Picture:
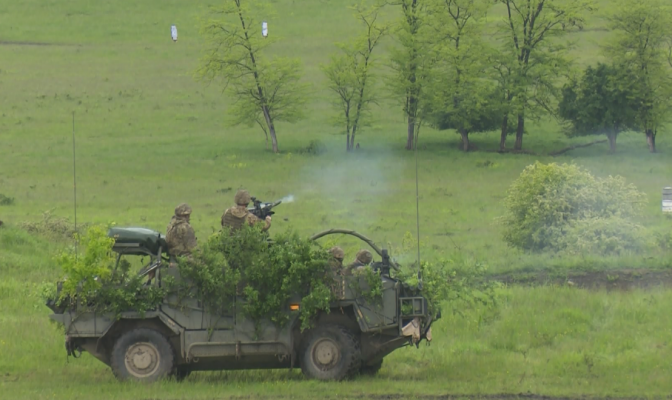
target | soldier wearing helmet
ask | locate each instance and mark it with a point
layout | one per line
(180, 236)
(362, 259)
(235, 217)
(336, 262)
(337, 271)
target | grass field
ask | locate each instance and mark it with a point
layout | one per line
(148, 136)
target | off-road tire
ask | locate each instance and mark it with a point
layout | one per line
(330, 352)
(142, 355)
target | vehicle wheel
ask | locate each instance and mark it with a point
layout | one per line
(330, 352)
(142, 355)
(371, 369)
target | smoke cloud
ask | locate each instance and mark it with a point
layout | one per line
(355, 190)
(288, 199)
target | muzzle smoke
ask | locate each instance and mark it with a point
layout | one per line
(288, 199)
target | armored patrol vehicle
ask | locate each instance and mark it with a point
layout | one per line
(178, 337)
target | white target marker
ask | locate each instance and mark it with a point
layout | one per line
(264, 29)
(173, 32)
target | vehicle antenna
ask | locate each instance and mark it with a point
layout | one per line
(74, 178)
(417, 204)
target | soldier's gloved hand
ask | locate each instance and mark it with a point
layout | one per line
(268, 219)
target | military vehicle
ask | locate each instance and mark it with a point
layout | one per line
(179, 337)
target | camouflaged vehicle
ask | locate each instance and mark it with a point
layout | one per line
(174, 340)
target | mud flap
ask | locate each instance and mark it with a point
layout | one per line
(412, 329)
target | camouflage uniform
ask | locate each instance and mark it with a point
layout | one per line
(235, 217)
(363, 258)
(337, 271)
(336, 262)
(180, 236)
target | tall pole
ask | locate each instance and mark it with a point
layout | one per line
(74, 178)
(417, 197)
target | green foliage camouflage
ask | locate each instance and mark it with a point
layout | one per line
(454, 281)
(94, 282)
(553, 207)
(267, 274)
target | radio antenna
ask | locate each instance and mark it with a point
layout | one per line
(417, 202)
(74, 179)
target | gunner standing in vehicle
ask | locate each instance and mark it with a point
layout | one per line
(363, 258)
(180, 236)
(235, 217)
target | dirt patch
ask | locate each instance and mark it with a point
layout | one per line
(625, 279)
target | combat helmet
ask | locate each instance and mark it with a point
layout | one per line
(337, 252)
(364, 256)
(182, 209)
(242, 197)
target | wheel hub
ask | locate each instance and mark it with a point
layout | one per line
(326, 353)
(142, 359)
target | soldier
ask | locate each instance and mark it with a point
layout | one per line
(180, 236)
(337, 271)
(235, 217)
(363, 258)
(336, 263)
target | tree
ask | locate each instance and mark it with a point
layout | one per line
(603, 102)
(463, 99)
(533, 56)
(642, 35)
(411, 64)
(265, 91)
(349, 73)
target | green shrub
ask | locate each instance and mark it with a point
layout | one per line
(315, 147)
(563, 207)
(53, 227)
(614, 235)
(6, 200)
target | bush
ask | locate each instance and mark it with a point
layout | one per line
(53, 227)
(315, 147)
(5, 200)
(564, 208)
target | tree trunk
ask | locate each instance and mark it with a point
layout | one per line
(352, 138)
(505, 128)
(612, 142)
(519, 132)
(465, 140)
(274, 139)
(651, 140)
(411, 134)
(347, 142)
(271, 129)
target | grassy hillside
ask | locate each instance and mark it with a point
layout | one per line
(149, 137)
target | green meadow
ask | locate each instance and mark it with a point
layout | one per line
(149, 136)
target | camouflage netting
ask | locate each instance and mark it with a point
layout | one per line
(267, 275)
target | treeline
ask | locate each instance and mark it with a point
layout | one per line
(463, 65)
